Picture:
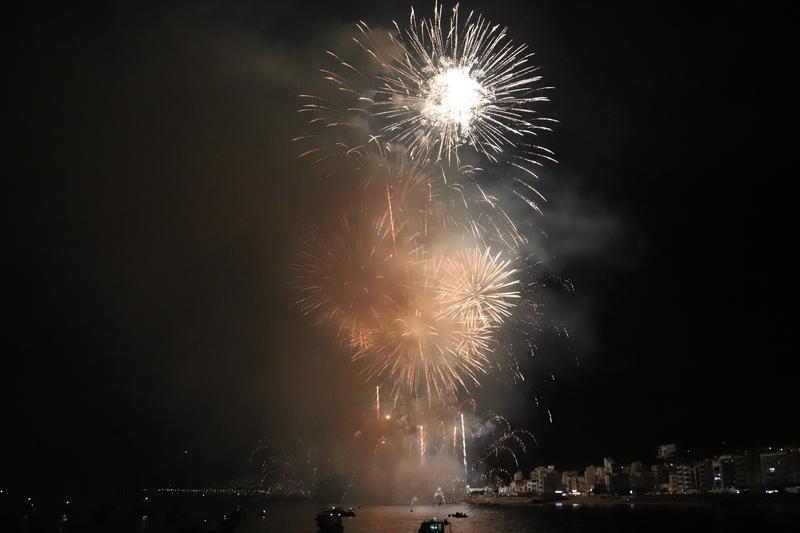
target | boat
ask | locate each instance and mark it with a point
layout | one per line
(329, 521)
(349, 512)
(434, 526)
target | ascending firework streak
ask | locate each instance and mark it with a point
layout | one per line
(464, 448)
(378, 401)
(421, 446)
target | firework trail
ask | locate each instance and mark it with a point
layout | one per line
(421, 446)
(509, 442)
(464, 447)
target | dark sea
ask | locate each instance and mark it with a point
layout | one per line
(216, 513)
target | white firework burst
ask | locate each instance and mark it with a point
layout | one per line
(448, 86)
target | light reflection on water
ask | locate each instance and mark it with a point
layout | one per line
(171, 514)
(299, 518)
(398, 518)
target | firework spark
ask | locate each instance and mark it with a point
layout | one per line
(508, 443)
(477, 286)
(448, 85)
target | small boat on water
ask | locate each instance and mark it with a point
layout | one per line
(434, 526)
(329, 521)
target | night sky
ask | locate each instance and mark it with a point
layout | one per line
(155, 201)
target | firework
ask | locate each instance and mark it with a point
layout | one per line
(503, 439)
(422, 350)
(435, 89)
(423, 324)
(393, 315)
(477, 286)
(447, 86)
(351, 273)
(378, 401)
(406, 278)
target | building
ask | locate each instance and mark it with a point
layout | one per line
(546, 480)
(571, 481)
(594, 475)
(519, 486)
(704, 475)
(522, 487)
(780, 468)
(681, 479)
(593, 479)
(772, 469)
(730, 472)
(641, 479)
(667, 452)
(660, 476)
(615, 477)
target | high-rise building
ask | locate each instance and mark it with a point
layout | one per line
(660, 475)
(704, 475)
(731, 472)
(681, 479)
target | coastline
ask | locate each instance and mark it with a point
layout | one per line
(648, 500)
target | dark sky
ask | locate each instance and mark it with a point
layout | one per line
(155, 201)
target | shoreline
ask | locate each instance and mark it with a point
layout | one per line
(648, 500)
